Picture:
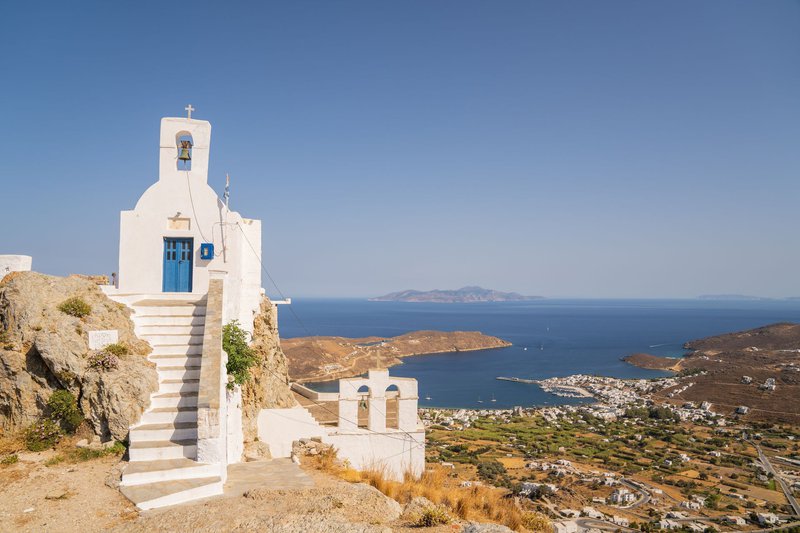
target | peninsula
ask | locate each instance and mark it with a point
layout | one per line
(327, 358)
(462, 295)
(753, 372)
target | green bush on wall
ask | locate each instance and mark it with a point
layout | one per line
(64, 410)
(240, 356)
(42, 435)
(75, 306)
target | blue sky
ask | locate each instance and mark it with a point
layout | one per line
(590, 149)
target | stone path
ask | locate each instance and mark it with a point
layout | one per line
(273, 474)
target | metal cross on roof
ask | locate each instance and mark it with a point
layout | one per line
(189, 110)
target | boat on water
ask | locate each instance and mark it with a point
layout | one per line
(479, 400)
(427, 397)
(493, 398)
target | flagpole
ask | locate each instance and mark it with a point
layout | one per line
(227, 191)
(227, 196)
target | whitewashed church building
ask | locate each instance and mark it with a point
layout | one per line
(187, 266)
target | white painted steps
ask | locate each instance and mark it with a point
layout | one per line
(180, 385)
(166, 415)
(159, 450)
(167, 469)
(163, 445)
(172, 492)
(174, 399)
(164, 431)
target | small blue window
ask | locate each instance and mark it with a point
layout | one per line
(207, 251)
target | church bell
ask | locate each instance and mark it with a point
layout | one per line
(184, 154)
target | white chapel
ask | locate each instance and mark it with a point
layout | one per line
(180, 230)
(187, 266)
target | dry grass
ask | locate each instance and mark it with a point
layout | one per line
(11, 442)
(477, 503)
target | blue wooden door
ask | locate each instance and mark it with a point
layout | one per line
(177, 265)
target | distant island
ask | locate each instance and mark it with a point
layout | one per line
(327, 358)
(731, 297)
(462, 295)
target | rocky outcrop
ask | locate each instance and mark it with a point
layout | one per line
(269, 386)
(44, 349)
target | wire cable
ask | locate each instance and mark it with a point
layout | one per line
(194, 212)
(264, 268)
(280, 293)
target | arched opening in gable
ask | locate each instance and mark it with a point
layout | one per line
(363, 406)
(184, 143)
(392, 407)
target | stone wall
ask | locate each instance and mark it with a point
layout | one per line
(43, 349)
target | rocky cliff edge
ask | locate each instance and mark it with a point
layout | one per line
(269, 386)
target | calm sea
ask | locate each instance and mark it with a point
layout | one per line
(550, 337)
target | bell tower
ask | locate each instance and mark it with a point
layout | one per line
(174, 133)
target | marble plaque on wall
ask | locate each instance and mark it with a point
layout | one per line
(101, 338)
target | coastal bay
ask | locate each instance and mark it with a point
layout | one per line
(551, 338)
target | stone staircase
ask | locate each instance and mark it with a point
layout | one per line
(163, 445)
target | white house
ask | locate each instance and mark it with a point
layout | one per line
(735, 520)
(694, 506)
(591, 512)
(622, 496)
(669, 524)
(767, 519)
(14, 263)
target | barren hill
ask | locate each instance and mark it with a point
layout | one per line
(324, 358)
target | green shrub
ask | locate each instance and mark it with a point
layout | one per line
(75, 306)
(55, 460)
(433, 516)
(10, 459)
(64, 410)
(489, 470)
(42, 435)
(240, 356)
(87, 454)
(118, 349)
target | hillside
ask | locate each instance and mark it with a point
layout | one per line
(324, 358)
(760, 354)
(462, 295)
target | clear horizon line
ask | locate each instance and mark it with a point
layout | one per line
(700, 297)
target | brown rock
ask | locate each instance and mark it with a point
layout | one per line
(44, 349)
(269, 387)
(256, 451)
